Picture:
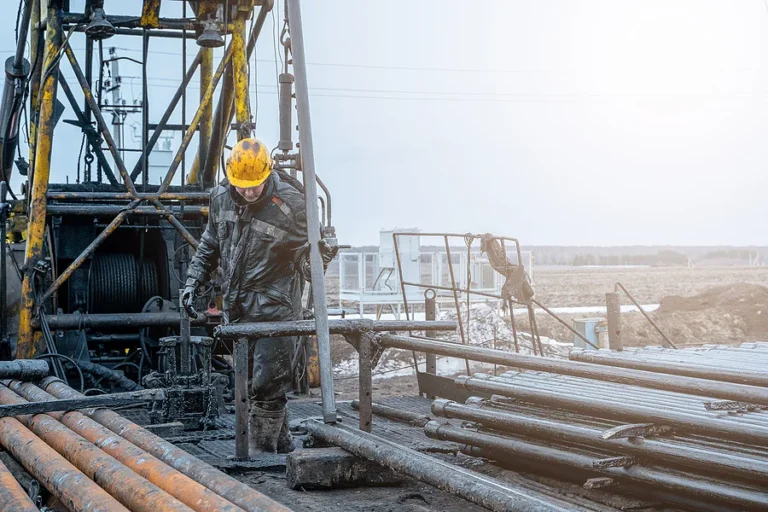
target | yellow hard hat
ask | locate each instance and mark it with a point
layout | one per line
(248, 164)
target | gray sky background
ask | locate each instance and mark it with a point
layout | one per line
(561, 122)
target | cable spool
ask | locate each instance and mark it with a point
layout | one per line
(113, 283)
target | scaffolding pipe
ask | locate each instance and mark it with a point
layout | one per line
(313, 216)
(220, 483)
(307, 327)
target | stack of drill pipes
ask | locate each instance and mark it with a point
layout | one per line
(510, 449)
(745, 369)
(54, 472)
(506, 404)
(133, 491)
(13, 497)
(183, 488)
(222, 484)
(658, 450)
(682, 440)
(619, 408)
(721, 390)
(662, 399)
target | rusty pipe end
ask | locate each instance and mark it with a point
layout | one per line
(51, 379)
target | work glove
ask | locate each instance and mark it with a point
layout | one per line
(188, 300)
(327, 251)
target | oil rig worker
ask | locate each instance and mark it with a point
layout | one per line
(257, 235)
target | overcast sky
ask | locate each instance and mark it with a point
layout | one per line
(560, 122)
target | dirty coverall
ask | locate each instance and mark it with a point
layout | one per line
(260, 247)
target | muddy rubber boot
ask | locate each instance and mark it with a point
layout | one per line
(263, 430)
(285, 439)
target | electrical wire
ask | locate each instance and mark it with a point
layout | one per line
(70, 361)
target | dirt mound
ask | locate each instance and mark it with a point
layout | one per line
(746, 305)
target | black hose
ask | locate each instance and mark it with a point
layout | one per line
(70, 361)
(109, 374)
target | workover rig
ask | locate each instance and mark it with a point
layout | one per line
(89, 282)
(98, 261)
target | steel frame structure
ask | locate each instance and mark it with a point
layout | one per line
(129, 188)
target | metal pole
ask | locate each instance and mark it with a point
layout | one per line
(365, 387)
(27, 346)
(647, 317)
(313, 216)
(3, 260)
(456, 297)
(185, 328)
(309, 327)
(241, 398)
(34, 83)
(430, 313)
(206, 126)
(240, 70)
(613, 308)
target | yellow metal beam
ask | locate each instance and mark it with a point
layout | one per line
(150, 14)
(240, 71)
(34, 83)
(27, 345)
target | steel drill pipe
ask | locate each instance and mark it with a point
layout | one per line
(24, 369)
(171, 481)
(126, 486)
(307, 327)
(53, 471)
(473, 487)
(13, 498)
(499, 448)
(654, 449)
(690, 385)
(620, 411)
(414, 418)
(686, 369)
(203, 473)
(110, 400)
(76, 321)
